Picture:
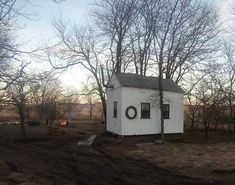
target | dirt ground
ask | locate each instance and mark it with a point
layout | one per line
(56, 160)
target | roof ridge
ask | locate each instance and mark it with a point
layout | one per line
(146, 82)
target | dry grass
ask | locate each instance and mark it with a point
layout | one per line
(185, 155)
(194, 160)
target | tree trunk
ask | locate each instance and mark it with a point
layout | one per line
(205, 122)
(234, 127)
(104, 108)
(91, 111)
(119, 57)
(231, 115)
(22, 127)
(206, 131)
(192, 122)
(161, 102)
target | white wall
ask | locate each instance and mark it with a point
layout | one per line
(126, 97)
(138, 126)
(176, 122)
(114, 94)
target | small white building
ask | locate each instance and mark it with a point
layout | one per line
(133, 105)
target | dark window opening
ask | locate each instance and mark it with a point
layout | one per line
(115, 109)
(166, 111)
(145, 110)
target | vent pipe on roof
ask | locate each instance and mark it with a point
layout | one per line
(102, 76)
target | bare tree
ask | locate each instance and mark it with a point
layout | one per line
(205, 97)
(114, 19)
(210, 93)
(45, 92)
(18, 94)
(192, 101)
(10, 11)
(78, 46)
(8, 47)
(90, 94)
(184, 35)
(141, 35)
(69, 99)
(229, 71)
(229, 23)
(193, 107)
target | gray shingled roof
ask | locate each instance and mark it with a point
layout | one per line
(146, 82)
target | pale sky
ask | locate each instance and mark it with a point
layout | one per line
(76, 11)
(38, 29)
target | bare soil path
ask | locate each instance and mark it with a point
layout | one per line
(45, 160)
(61, 162)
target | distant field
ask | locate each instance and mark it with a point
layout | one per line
(74, 129)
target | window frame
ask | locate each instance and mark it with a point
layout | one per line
(166, 111)
(115, 109)
(149, 114)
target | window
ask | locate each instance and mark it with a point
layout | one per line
(145, 110)
(115, 109)
(166, 111)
